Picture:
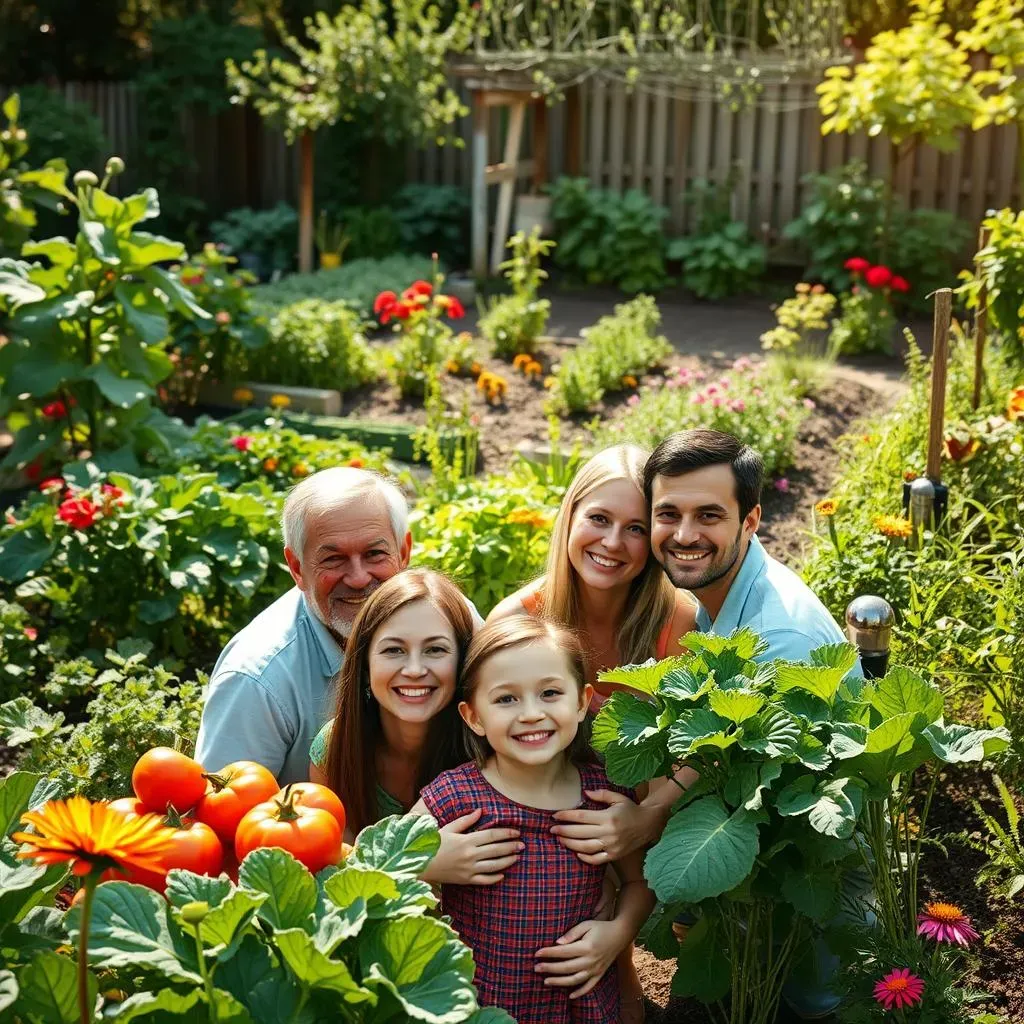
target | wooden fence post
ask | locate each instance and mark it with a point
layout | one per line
(940, 358)
(980, 326)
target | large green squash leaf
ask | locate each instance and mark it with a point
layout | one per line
(399, 845)
(958, 744)
(703, 968)
(49, 989)
(290, 889)
(902, 691)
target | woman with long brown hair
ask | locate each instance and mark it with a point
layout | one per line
(396, 725)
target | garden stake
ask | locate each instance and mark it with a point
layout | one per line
(922, 509)
(869, 622)
(936, 425)
(980, 326)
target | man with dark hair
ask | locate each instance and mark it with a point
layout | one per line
(704, 490)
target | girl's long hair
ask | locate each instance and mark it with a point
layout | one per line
(519, 631)
(651, 596)
(356, 735)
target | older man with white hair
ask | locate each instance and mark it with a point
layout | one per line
(345, 532)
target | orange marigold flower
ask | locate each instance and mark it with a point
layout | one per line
(909, 475)
(280, 401)
(475, 369)
(93, 837)
(269, 465)
(893, 526)
(1015, 404)
(356, 463)
(452, 366)
(533, 369)
(300, 469)
(826, 507)
(521, 360)
(242, 395)
(629, 381)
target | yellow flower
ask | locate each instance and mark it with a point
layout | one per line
(270, 464)
(527, 517)
(452, 366)
(629, 381)
(533, 369)
(521, 361)
(893, 526)
(93, 837)
(475, 369)
(550, 382)
(243, 395)
(300, 469)
(280, 401)
(803, 288)
(1015, 404)
(826, 507)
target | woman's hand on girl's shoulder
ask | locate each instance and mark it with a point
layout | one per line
(582, 955)
(472, 858)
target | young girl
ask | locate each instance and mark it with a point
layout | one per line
(524, 703)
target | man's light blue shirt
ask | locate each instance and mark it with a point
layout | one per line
(778, 606)
(271, 691)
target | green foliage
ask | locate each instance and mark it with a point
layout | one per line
(865, 323)
(926, 247)
(22, 189)
(130, 705)
(200, 349)
(798, 765)
(313, 343)
(1002, 842)
(89, 332)
(999, 267)
(802, 322)
(282, 944)
(20, 650)
(754, 401)
(177, 560)
(60, 129)
(720, 258)
(373, 232)
(913, 85)
(357, 283)
(268, 236)
(617, 347)
(433, 218)
(605, 237)
(514, 323)
(997, 30)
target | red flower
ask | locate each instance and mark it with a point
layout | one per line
(31, 632)
(421, 288)
(78, 512)
(55, 410)
(856, 264)
(878, 277)
(384, 303)
(400, 309)
(243, 442)
(111, 491)
(52, 484)
(455, 310)
(899, 284)
(34, 470)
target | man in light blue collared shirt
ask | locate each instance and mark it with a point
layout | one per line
(704, 488)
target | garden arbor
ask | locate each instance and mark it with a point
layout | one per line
(532, 52)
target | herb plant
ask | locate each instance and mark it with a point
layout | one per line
(1002, 843)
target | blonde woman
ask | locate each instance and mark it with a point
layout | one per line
(602, 581)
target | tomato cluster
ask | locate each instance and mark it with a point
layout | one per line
(219, 817)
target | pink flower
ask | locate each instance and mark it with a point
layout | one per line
(723, 383)
(31, 632)
(945, 922)
(243, 442)
(672, 383)
(899, 988)
(717, 402)
(741, 364)
(633, 400)
(223, 317)
(711, 389)
(737, 405)
(782, 485)
(809, 403)
(699, 375)
(698, 398)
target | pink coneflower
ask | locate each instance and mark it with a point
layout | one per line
(899, 988)
(698, 398)
(782, 485)
(945, 922)
(737, 405)
(717, 402)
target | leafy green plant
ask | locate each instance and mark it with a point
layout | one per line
(1002, 843)
(60, 129)
(20, 652)
(865, 323)
(801, 770)
(513, 323)
(754, 401)
(201, 349)
(266, 236)
(720, 258)
(433, 218)
(89, 332)
(610, 357)
(313, 343)
(125, 706)
(356, 284)
(373, 231)
(607, 238)
(331, 238)
(357, 936)
(177, 559)
(21, 189)
(927, 247)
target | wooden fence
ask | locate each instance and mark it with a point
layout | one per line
(647, 140)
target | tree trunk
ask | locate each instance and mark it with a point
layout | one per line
(306, 202)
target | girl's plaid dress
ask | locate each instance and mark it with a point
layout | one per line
(544, 894)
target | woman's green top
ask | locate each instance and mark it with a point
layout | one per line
(386, 803)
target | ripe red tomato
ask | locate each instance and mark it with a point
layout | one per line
(194, 847)
(310, 834)
(312, 794)
(233, 791)
(163, 776)
(129, 806)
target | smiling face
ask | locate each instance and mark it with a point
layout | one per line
(347, 553)
(697, 533)
(413, 659)
(527, 703)
(608, 537)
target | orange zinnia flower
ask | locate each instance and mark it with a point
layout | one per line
(826, 507)
(93, 837)
(1015, 404)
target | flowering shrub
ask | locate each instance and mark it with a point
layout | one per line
(513, 323)
(748, 401)
(802, 321)
(175, 560)
(418, 315)
(867, 323)
(616, 347)
(202, 349)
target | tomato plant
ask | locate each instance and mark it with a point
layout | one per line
(165, 777)
(310, 834)
(232, 792)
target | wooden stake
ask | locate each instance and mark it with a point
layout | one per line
(980, 327)
(481, 118)
(940, 358)
(306, 202)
